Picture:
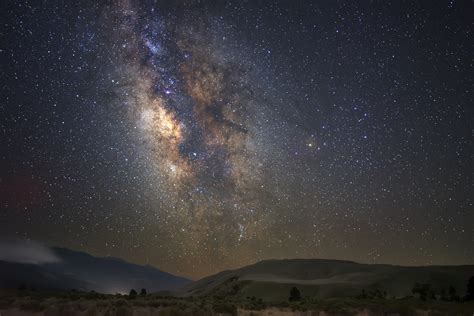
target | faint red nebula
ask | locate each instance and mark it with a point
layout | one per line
(21, 191)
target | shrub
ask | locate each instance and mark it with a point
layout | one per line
(121, 303)
(154, 303)
(227, 308)
(470, 290)
(295, 295)
(32, 305)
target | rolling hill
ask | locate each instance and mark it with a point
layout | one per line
(271, 280)
(81, 271)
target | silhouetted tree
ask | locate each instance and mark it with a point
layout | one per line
(452, 294)
(424, 291)
(295, 295)
(443, 296)
(143, 292)
(133, 292)
(470, 290)
(371, 294)
(363, 294)
(377, 293)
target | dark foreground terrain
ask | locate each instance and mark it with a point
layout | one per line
(35, 302)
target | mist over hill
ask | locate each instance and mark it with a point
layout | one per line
(81, 271)
(273, 279)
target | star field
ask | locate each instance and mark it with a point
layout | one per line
(201, 136)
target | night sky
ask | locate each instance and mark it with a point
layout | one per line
(198, 136)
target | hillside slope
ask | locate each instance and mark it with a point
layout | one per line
(81, 271)
(272, 279)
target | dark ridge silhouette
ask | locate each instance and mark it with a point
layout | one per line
(81, 271)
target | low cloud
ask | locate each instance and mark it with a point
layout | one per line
(26, 251)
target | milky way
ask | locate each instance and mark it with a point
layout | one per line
(199, 136)
(196, 116)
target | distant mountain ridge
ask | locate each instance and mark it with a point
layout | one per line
(269, 279)
(82, 271)
(272, 279)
